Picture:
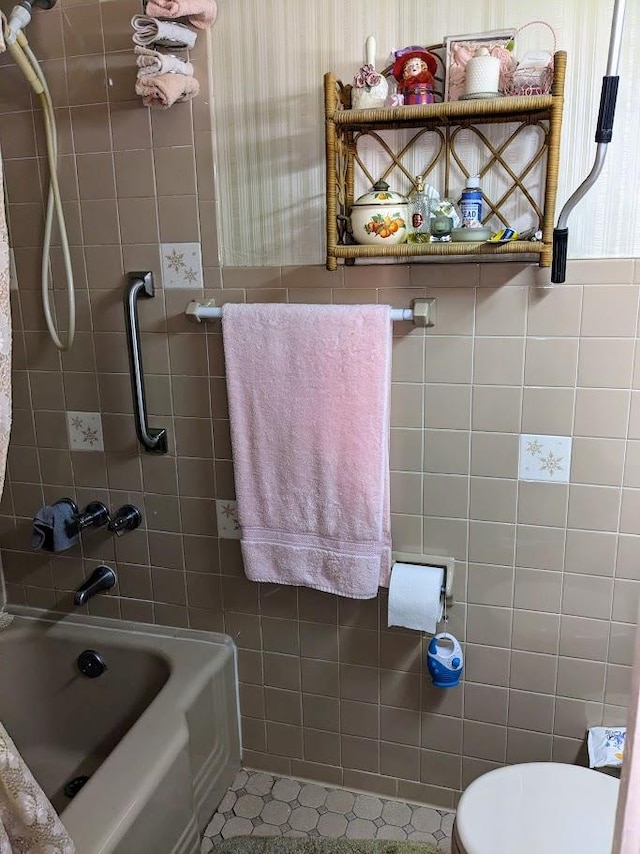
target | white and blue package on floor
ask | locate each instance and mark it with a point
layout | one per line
(606, 746)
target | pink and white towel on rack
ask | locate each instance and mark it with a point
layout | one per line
(201, 14)
(148, 31)
(162, 91)
(152, 63)
(309, 390)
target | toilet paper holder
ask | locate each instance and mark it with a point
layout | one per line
(447, 563)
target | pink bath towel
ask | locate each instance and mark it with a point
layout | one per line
(308, 393)
(201, 14)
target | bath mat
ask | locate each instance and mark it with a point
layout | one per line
(284, 845)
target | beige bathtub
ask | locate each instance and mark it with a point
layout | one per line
(157, 732)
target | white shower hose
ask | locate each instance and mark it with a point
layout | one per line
(29, 65)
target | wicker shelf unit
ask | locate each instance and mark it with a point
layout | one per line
(344, 127)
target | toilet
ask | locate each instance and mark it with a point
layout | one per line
(537, 808)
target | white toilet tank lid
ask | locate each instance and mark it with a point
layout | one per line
(538, 808)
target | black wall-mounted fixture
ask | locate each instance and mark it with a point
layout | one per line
(153, 439)
(95, 515)
(126, 518)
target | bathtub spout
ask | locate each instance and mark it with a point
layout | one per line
(102, 578)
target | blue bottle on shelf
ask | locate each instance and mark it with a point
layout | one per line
(471, 203)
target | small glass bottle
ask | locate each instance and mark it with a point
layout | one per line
(419, 213)
(444, 218)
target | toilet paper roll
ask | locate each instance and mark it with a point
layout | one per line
(415, 596)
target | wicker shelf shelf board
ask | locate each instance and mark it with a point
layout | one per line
(540, 115)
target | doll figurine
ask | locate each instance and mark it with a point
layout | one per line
(414, 69)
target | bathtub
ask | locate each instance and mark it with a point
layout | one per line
(157, 733)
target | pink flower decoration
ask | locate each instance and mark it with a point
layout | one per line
(367, 76)
(507, 65)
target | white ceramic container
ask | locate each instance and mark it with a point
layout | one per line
(369, 97)
(380, 217)
(482, 74)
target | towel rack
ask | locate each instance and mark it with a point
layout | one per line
(422, 311)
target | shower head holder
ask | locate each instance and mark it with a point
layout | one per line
(38, 4)
(20, 16)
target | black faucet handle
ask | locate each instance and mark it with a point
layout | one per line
(126, 518)
(95, 515)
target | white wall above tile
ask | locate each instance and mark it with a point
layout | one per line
(545, 458)
(270, 149)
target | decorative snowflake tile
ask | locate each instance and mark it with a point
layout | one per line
(545, 458)
(85, 431)
(181, 265)
(227, 516)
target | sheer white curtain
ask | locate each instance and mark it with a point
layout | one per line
(5, 336)
(627, 837)
(28, 822)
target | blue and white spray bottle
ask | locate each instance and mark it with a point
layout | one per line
(445, 661)
(471, 203)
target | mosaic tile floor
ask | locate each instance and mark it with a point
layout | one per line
(260, 804)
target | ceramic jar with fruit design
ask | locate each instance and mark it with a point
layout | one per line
(380, 217)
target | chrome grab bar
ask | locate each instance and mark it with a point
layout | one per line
(154, 439)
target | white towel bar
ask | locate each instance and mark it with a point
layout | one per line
(422, 312)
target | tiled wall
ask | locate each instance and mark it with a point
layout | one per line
(548, 573)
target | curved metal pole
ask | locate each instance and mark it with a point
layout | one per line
(587, 184)
(615, 41)
(604, 132)
(154, 439)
